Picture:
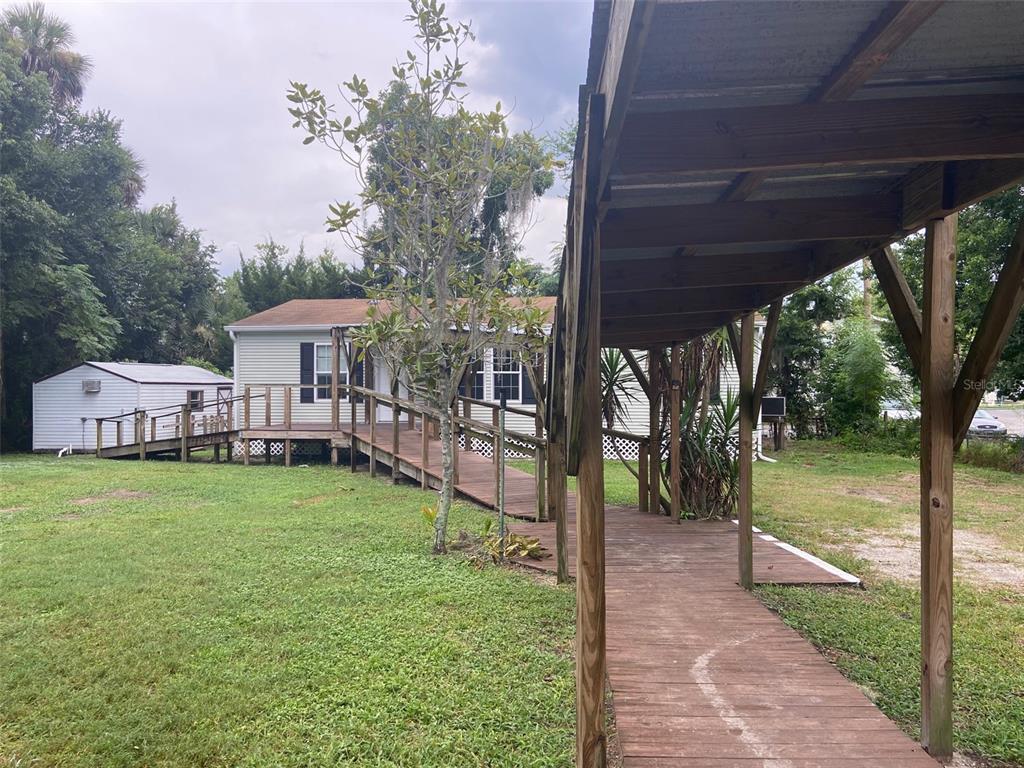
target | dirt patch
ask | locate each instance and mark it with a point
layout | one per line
(12, 510)
(977, 557)
(868, 493)
(121, 494)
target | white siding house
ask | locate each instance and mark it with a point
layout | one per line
(65, 405)
(290, 345)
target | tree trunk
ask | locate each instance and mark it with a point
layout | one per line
(444, 502)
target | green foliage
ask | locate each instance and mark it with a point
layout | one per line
(515, 545)
(1007, 455)
(801, 344)
(854, 378)
(900, 437)
(709, 486)
(264, 616)
(617, 386)
(41, 42)
(444, 192)
(984, 234)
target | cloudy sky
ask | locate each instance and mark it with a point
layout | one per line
(201, 90)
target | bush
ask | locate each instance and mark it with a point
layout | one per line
(901, 437)
(854, 379)
(1007, 455)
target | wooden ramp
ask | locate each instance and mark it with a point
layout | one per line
(704, 676)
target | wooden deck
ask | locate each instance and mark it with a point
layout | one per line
(704, 676)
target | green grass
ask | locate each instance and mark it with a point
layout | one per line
(262, 616)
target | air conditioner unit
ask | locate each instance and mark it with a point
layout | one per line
(91, 386)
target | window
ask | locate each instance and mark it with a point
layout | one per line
(195, 400)
(322, 372)
(508, 375)
(477, 381)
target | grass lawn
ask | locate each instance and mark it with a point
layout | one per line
(161, 614)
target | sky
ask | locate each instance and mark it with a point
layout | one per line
(200, 88)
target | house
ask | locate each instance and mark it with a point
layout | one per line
(65, 405)
(290, 345)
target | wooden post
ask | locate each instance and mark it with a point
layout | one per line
(140, 429)
(266, 406)
(335, 377)
(266, 450)
(120, 432)
(424, 449)
(745, 513)
(352, 453)
(152, 428)
(246, 451)
(371, 409)
(177, 425)
(938, 380)
(590, 557)
(186, 423)
(396, 417)
(642, 459)
(216, 453)
(368, 382)
(541, 481)
(287, 407)
(654, 430)
(495, 451)
(99, 437)
(246, 406)
(675, 470)
(287, 452)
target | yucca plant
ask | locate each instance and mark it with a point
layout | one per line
(617, 390)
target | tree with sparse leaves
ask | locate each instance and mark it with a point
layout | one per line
(438, 181)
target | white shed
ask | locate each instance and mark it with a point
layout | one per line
(66, 404)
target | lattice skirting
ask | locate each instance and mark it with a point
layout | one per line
(259, 448)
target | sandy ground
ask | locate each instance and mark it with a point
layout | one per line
(977, 557)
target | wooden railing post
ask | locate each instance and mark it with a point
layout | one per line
(186, 423)
(654, 462)
(371, 409)
(744, 512)
(675, 468)
(266, 406)
(177, 425)
(246, 406)
(230, 414)
(499, 448)
(642, 459)
(120, 432)
(140, 430)
(395, 426)
(152, 428)
(288, 407)
(540, 466)
(424, 449)
(99, 437)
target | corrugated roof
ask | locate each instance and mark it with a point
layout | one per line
(336, 312)
(156, 373)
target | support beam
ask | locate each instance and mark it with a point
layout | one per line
(771, 330)
(707, 271)
(997, 323)
(634, 366)
(935, 190)
(557, 480)
(627, 307)
(901, 301)
(591, 663)
(675, 468)
(658, 145)
(760, 221)
(745, 511)
(937, 389)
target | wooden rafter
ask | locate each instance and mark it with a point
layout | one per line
(783, 137)
(900, 299)
(693, 300)
(626, 275)
(997, 323)
(893, 27)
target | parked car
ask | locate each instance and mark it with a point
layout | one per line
(985, 424)
(894, 409)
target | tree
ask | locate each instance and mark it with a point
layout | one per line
(42, 43)
(431, 171)
(800, 345)
(984, 233)
(855, 378)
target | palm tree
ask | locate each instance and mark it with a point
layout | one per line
(42, 42)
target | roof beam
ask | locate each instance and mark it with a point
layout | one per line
(893, 27)
(629, 22)
(936, 190)
(627, 275)
(682, 301)
(664, 323)
(644, 340)
(782, 137)
(866, 216)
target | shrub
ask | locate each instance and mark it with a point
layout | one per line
(854, 378)
(1007, 455)
(897, 436)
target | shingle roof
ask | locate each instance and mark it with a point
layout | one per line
(336, 312)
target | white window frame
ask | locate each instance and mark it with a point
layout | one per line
(317, 373)
(493, 372)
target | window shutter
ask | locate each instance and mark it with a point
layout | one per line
(528, 397)
(306, 376)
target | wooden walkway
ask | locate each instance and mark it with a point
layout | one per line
(704, 676)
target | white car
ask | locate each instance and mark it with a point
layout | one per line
(985, 424)
(894, 409)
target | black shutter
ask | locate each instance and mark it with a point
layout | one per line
(306, 376)
(527, 393)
